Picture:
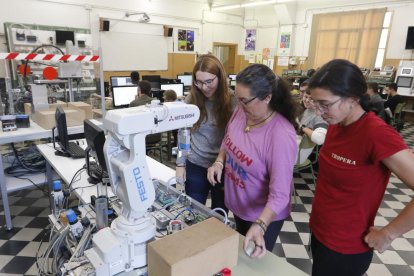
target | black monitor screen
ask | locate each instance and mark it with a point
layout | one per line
(122, 96)
(62, 36)
(152, 78)
(95, 138)
(187, 80)
(121, 81)
(177, 87)
(409, 43)
(404, 81)
(63, 139)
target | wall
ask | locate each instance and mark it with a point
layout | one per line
(227, 27)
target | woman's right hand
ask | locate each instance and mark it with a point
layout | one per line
(214, 173)
(180, 175)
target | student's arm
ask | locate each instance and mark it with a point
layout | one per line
(216, 169)
(402, 165)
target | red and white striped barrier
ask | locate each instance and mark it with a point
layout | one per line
(48, 57)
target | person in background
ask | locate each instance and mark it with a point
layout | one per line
(377, 104)
(259, 152)
(310, 123)
(134, 77)
(216, 102)
(143, 94)
(393, 98)
(171, 96)
(355, 163)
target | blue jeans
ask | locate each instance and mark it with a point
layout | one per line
(198, 187)
(273, 230)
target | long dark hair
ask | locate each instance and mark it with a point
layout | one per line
(262, 82)
(344, 79)
(222, 108)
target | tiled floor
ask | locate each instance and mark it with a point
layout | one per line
(29, 210)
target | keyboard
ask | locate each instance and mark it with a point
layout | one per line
(75, 151)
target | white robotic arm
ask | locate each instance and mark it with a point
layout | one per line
(125, 149)
(123, 246)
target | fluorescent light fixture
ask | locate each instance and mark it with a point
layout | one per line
(258, 3)
(226, 7)
(247, 5)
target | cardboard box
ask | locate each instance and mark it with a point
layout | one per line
(202, 249)
(46, 118)
(87, 108)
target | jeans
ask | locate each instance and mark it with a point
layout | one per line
(328, 262)
(270, 236)
(198, 187)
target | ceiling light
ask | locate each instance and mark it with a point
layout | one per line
(225, 7)
(247, 5)
(258, 3)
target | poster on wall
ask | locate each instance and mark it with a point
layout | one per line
(284, 44)
(284, 40)
(185, 40)
(250, 40)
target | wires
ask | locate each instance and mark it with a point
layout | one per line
(29, 161)
(226, 220)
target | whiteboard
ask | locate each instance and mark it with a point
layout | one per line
(133, 51)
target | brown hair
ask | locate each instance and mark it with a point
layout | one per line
(222, 107)
(170, 95)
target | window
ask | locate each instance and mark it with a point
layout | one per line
(354, 36)
(379, 60)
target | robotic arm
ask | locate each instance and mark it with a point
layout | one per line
(123, 246)
(125, 150)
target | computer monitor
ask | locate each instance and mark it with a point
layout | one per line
(62, 129)
(233, 83)
(152, 78)
(62, 36)
(121, 81)
(232, 76)
(95, 139)
(187, 80)
(177, 87)
(403, 81)
(122, 96)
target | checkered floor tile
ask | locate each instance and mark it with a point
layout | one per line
(29, 210)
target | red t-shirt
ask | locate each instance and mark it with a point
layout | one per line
(351, 182)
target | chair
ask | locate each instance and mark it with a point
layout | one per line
(153, 142)
(305, 144)
(397, 121)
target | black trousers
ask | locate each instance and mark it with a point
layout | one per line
(327, 262)
(273, 229)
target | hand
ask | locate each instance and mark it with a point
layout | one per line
(378, 239)
(180, 175)
(214, 173)
(255, 235)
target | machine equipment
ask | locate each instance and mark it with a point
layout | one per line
(122, 247)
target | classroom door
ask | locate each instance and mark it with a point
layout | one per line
(227, 54)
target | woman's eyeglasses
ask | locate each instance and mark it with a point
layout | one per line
(325, 107)
(208, 83)
(245, 101)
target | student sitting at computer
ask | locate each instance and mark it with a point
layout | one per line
(170, 95)
(143, 94)
(393, 98)
(134, 77)
(377, 104)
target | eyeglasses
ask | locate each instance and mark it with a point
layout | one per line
(325, 107)
(245, 101)
(208, 83)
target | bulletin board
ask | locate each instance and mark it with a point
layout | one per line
(133, 51)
